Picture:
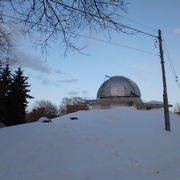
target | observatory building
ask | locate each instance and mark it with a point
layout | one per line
(120, 91)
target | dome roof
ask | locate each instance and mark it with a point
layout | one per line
(118, 86)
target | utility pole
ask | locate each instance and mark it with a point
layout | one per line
(165, 97)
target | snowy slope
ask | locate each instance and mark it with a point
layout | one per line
(116, 144)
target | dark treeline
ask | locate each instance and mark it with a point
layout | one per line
(13, 96)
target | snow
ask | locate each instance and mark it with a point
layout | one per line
(44, 119)
(154, 102)
(120, 143)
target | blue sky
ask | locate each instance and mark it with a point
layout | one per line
(54, 76)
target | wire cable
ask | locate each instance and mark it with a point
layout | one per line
(117, 44)
(172, 66)
(113, 43)
(122, 25)
(138, 23)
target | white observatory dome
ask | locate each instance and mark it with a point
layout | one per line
(118, 86)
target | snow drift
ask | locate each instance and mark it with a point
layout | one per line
(120, 143)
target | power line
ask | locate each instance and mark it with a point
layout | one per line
(138, 23)
(136, 30)
(117, 44)
(113, 43)
(172, 66)
(122, 25)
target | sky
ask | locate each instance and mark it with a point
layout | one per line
(53, 76)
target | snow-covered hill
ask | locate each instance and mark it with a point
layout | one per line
(116, 144)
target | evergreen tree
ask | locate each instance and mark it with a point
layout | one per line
(5, 86)
(1, 104)
(17, 99)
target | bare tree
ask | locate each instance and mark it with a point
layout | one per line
(7, 55)
(5, 44)
(49, 107)
(70, 101)
(66, 18)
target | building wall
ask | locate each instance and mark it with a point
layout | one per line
(107, 103)
(109, 106)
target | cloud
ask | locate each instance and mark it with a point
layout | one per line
(26, 60)
(85, 92)
(73, 93)
(67, 81)
(43, 79)
(34, 63)
(15, 33)
(89, 40)
(176, 31)
(57, 71)
(46, 81)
